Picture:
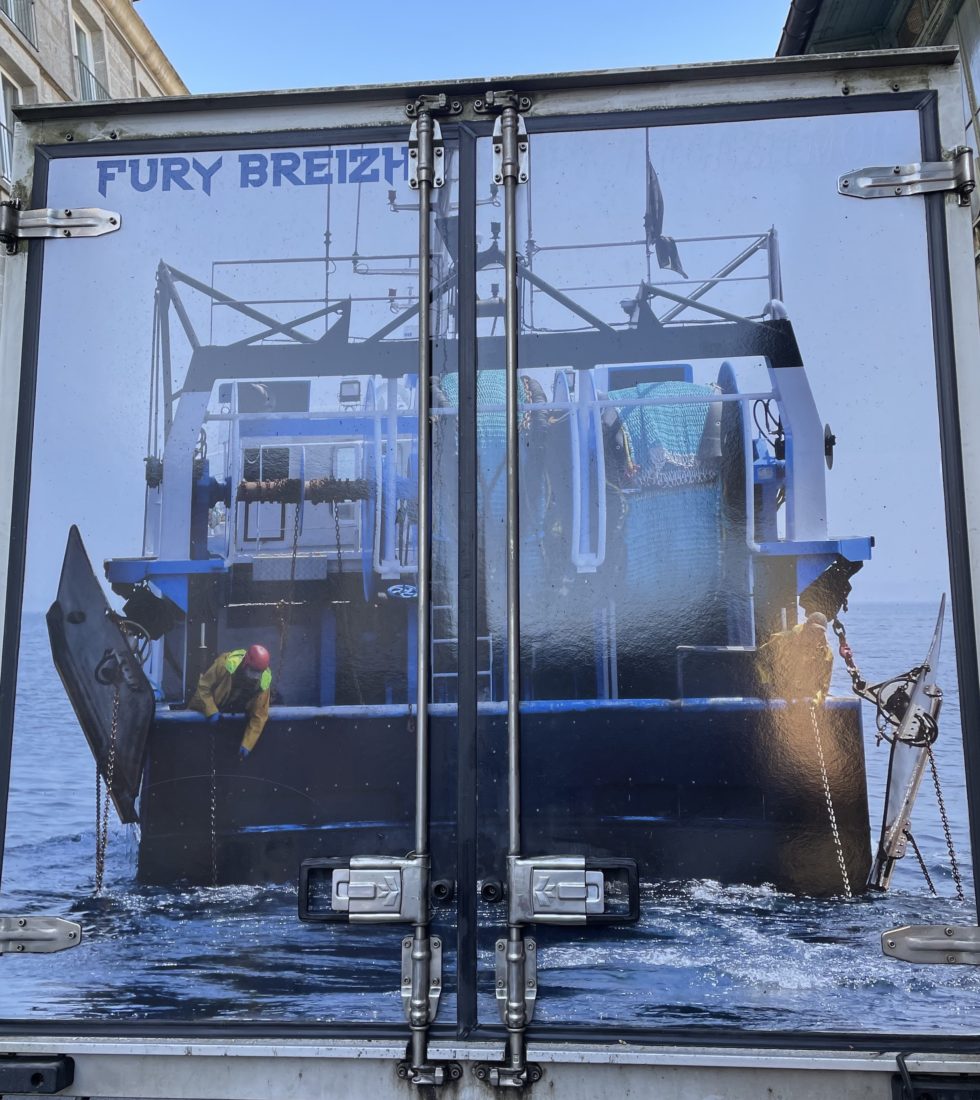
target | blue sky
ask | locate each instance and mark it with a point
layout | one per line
(243, 45)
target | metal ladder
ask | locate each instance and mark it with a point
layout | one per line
(444, 644)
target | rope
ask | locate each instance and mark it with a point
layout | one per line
(907, 833)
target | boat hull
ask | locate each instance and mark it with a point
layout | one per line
(730, 790)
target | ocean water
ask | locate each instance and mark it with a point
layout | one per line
(702, 953)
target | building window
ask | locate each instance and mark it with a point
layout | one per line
(10, 96)
(21, 14)
(89, 86)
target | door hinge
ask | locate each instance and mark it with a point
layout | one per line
(17, 224)
(955, 172)
(933, 943)
(36, 935)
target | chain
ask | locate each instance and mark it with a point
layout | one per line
(857, 680)
(214, 816)
(102, 805)
(922, 863)
(838, 847)
(926, 741)
(947, 832)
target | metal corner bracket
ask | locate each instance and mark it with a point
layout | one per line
(955, 172)
(933, 943)
(37, 935)
(17, 224)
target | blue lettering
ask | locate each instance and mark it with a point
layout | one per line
(341, 155)
(151, 175)
(175, 170)
(206, 172)
(391, 164)
(108, 170)
(318, 166)
(359, 172)
(255, 169)
(284, 167)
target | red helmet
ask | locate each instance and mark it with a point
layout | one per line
(257, 657)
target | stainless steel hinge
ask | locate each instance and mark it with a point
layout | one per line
(36, 935)
(955, 172)
(933, 943)
(17, 224)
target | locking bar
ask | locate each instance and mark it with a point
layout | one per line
(384, 889)
(424, 970)
(933, 943)
(515, 998)
(37, 935)
(954, 173)
(17, 224)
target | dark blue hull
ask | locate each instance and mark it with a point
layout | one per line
(727, 789)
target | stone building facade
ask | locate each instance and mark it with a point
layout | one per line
(59, 50)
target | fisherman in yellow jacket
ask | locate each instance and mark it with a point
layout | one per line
(238, 681)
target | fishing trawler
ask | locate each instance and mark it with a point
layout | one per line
(673, 531)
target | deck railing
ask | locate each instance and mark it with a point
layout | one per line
(21, 14)
(89, 86)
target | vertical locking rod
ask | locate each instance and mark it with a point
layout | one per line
(510, 169)
(421, 953)
(427, 173)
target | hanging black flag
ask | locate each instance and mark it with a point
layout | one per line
(653, 222)
(653, 219)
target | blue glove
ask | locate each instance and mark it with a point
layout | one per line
(243, 752)
(215, 717)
